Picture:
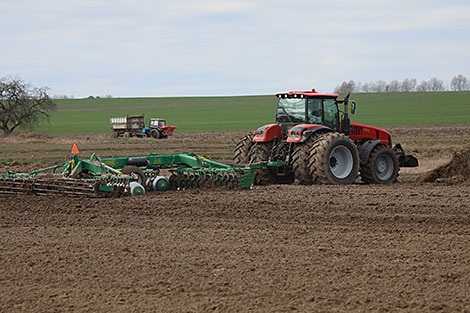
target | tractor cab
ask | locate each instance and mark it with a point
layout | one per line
(157, 123)
(307, 107)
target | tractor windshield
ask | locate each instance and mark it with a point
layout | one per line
(157, 123)
(290, 110)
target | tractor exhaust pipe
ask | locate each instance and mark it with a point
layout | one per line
(345, 122)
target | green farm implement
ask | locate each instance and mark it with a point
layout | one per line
(115, 176)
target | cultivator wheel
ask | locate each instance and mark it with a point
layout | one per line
(334, 159)
(135, 172)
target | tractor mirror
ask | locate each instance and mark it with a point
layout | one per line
(353, 107)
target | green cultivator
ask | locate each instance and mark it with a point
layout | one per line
(116, 176)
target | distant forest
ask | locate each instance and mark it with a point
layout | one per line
(458, 83)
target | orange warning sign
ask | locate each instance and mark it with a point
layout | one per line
(74, 149)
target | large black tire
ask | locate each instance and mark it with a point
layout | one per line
(334, 159)
(136, 172)
(260, 152)
(155, 134)
(242, 150)
(382, 166)
(300, 161)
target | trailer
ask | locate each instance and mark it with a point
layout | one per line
(128, 126)
(134, 126)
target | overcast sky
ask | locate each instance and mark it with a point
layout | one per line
(203, 47)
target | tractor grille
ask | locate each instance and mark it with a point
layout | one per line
(356, 130)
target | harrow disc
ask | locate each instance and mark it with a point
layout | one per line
(210, 178)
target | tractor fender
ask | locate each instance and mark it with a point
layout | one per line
(312, 131)
(300, 133)
(267, 133)
(366, 149)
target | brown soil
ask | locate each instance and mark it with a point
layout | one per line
(356, 248)
(456, 171)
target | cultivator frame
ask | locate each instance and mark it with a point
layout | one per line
(189, 170)
(105, 177)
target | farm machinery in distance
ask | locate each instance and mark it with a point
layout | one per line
(134, 126)
(317, 143)
(115, 176)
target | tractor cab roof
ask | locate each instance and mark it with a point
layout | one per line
(309, 93)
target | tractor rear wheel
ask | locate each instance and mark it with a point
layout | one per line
(334, 159)
(242, 150)
(382, 166)
(260, 152)
(155, 134)
(135, 172)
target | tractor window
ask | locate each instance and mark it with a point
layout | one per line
(315, 110)
(331, 113)
(290, 110)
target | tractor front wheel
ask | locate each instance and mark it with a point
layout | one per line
(334, 159)
(382, 166)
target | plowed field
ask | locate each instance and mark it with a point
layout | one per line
(356, 248)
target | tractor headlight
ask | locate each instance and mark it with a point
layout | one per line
(260, 131)
(297, 132)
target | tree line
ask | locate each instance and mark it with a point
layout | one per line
(458, 83)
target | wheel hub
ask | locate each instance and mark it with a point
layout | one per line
(341, 162)
(384, 167)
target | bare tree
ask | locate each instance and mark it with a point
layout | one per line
(346, 87)
(380, 86)
(366, 87)
(423, 86)
(459, 83)
(408, 85)
(21, 105)
(436, 84)
(394, 86)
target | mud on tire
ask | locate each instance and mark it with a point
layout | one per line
(334, 159)
(260, 152)
(382, 166)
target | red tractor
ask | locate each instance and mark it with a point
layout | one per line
(318, 144)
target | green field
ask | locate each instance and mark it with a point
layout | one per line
(84, 116)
